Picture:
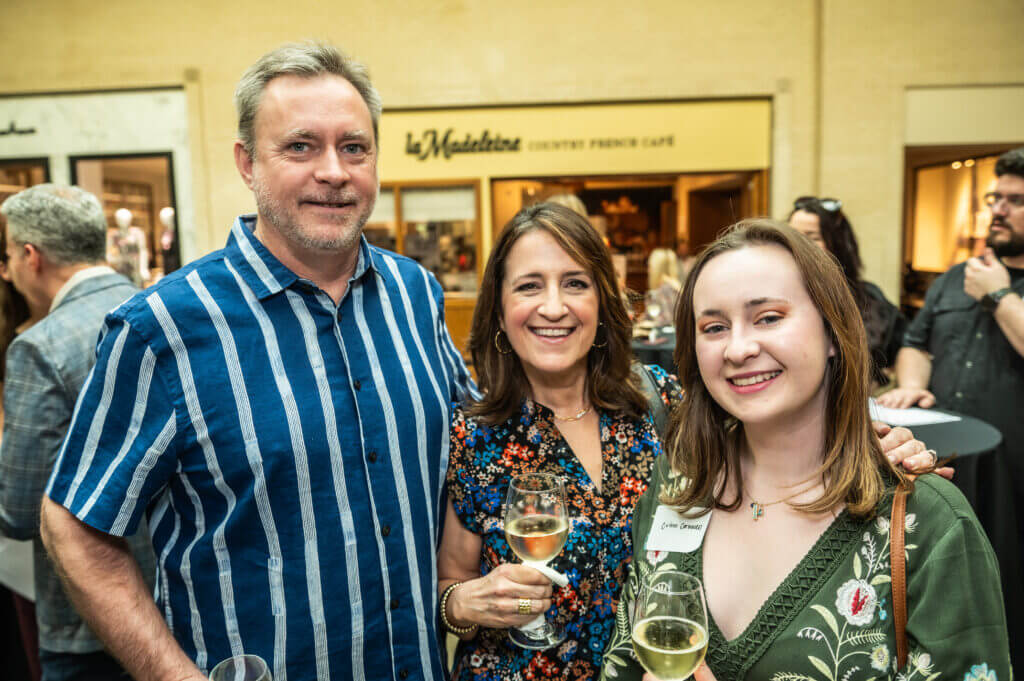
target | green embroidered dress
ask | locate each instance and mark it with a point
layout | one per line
(831, 618)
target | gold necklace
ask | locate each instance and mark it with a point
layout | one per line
(577, 417)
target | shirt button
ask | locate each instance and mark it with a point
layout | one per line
(968, 364)
(356, 384)
(959, 395)
(394, 604)
(386, 530)
(372, 456)
(979, 335)
(403, 674)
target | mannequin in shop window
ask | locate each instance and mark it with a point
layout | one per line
(126, 248)
(167, 238)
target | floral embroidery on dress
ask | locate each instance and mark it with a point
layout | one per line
(980, 672)
(862, 630)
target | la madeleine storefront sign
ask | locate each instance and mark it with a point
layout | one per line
(578, 139)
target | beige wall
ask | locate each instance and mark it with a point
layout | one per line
(452, 53)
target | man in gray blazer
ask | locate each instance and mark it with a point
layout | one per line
(54, 255)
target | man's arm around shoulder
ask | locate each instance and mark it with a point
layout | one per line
(106, 586)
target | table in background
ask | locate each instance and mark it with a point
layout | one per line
(659, 352)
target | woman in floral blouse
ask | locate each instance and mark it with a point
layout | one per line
(774, 437)
(550, 343)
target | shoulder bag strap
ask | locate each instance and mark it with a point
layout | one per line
(898, 564)
(659, 413)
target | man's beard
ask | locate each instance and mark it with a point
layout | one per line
(287, 224)
(1008, 248)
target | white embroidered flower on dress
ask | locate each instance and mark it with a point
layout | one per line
(880, 658)
(923, 661)
(882, 525)
(856, 601)
(911, 522)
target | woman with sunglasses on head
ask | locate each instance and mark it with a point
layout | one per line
(822, 221)
(783, 496)
(550, 341)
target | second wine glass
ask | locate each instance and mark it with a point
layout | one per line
(536, 527)
(670, 625)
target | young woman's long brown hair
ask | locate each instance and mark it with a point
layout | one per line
(704, 440)
(610, 384)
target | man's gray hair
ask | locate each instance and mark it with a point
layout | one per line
(306, 60)
(65, 223)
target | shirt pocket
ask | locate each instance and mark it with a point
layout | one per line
(953, 322)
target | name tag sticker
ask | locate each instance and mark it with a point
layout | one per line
(671, 531)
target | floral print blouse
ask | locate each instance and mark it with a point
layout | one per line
(599, 547)
(831, 618)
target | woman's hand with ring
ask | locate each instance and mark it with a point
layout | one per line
(510, 595)
(901, 448)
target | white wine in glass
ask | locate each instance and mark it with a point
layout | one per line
(241, 668)
(536, 527)
(670, 625)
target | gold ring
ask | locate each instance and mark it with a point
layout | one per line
(524, 606)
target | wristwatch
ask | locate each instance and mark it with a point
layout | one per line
(990, 301)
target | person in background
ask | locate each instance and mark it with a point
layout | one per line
(824, 223)
(663, 286)
(570, 201)
(54, 248)
(550, 341)
(771, 455)
(964, 352)
(684, 258)
(280, 411)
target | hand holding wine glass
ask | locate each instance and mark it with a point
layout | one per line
(670, 625)
(536, 527)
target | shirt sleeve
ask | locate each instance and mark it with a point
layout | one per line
(462, 483)
(37, 412)
(919, 331)
(121, 447)
(463, 388)
(956, 623)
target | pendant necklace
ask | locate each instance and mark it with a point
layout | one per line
(577, 417)
(757, 508)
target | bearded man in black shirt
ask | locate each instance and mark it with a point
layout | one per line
(965, 352)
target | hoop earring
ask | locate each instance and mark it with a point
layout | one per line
(497, 346)
(601, 345)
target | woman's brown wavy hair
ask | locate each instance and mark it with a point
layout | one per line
(610, 384)
(704, 440)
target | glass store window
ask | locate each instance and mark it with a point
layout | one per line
(437, 225)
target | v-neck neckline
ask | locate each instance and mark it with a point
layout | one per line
(736, 656)
(545, 415)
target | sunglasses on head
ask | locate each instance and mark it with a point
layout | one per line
(829, 205)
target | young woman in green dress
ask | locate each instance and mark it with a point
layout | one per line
(774, 437)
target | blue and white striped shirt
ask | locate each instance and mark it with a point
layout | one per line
(290, 455)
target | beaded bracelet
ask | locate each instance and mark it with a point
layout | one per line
(458, 631)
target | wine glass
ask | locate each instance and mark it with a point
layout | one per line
(536, 527)
(652, 308)
(670, 625)
(241, 668)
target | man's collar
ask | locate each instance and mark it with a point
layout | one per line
(264, 273)
(76, 279)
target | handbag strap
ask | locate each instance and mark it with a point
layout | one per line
(898, 565)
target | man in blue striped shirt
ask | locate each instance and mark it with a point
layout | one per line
(279, 410)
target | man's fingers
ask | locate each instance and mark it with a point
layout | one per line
(927, 400)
